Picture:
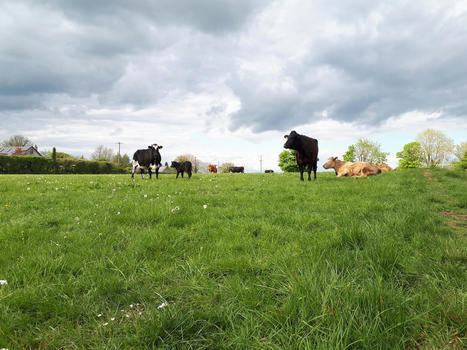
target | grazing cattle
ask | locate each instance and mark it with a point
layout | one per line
(149, 159)
(357, 169)
(236, 169)
(268, 171)
(306, 152)
(182, 167)
(384, 167)
(212, 168)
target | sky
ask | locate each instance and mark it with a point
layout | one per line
(225, 80)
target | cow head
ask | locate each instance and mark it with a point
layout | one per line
(330, 163)
(292, 140)
(174, 164)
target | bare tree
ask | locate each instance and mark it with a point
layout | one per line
(102, 153)
(224, 168)
(461, 150)
(17, 141)
(435, 146)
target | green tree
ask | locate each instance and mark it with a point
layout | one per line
(224, 168)
(121, 160)
(287, 161)
(17, 141)
(369, 151)
(461, 149)
(411, 156)
(435, 146)
(349, 156)
(54, 155)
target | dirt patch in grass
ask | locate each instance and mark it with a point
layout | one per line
(427, 174)
(458, 216)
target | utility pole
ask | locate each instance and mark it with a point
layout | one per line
(260, 163)
(118, 157)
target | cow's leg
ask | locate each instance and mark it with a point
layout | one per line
(133, 172)
(300, 167)
(177, 174)
(315, 167)
(142, 173)
(150, 173)
(309, 172)
(189, 174)
(182, 173)
(157, 173)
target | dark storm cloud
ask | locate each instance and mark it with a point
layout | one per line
(82, 48)
(412, 62)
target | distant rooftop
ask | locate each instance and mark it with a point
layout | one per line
(20, 151)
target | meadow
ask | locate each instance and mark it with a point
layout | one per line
(234, 261)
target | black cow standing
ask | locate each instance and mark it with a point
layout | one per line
(306, 152)
(182, 167)
(149, 159)
(236, 169)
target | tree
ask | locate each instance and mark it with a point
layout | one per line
(190, 158)
(411, 156)
(460, 151)
(349, 156)
(369, 151)
(102, 153)
(54, 155)
(224, 168)
(435, 146)
(287, 161)
(122, 161)
(17, 141)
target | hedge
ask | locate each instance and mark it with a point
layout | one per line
(42, 165)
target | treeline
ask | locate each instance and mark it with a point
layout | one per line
(42, 165)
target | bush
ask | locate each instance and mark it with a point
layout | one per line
(41, 165)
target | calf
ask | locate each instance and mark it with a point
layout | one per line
(182, 167)
(357, 169)
(306, 152)
(268, 171)
(149, 159)
(384, 167)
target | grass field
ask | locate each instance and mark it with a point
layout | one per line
(241, 261)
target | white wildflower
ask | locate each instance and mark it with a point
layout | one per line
(205, 206)
(105, 324)
(118, 213)
(112, 319)
(162, 306)
(77, 218)
(29, 188)
(100, 315)
(145, 196)
(3, 282)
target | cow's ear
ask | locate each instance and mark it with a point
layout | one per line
(335, 158)
(159, 147)
(286, 136)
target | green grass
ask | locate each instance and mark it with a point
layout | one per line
(273, 263)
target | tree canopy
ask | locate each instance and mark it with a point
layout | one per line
(436, 147)
(224, 168)
(366, 151)
(17, 141)
(411, 156)
(287, 161)
(102, 153)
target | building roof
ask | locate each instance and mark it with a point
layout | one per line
(20, 151)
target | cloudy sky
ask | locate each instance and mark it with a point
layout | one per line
(226, 79)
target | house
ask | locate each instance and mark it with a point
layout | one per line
(20, 151)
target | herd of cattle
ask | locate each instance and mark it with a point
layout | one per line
(306, 154)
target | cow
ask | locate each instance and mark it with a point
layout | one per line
(268, 171)
(384, 167)
(212, 168)
(182, 167)
(306, 152)
(236, 169)
(149, 159)
(357, 169)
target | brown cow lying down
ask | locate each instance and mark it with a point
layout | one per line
(351, 169)
(384, 167)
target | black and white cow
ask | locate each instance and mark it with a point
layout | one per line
(236, 169)
(182, 167)
(149, 159)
